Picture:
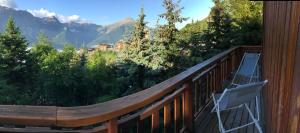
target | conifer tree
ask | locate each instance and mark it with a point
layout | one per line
(137, 52)
(13, 53)
(41, 49)
(216, 36)
(139, 43)
(166, 44)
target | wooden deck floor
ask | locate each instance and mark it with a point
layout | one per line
(207, 122)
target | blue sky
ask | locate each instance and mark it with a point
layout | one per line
(105, 12)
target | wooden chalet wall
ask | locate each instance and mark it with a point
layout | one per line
(281, 66)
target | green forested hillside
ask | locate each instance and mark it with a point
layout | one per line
(196, 26)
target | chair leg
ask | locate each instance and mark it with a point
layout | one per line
(213, 110)
(257, 108)
(221, 128)
(254, 120)
(215, 103)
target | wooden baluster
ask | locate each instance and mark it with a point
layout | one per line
(210, 84)
(227, 68)
(112, 126)
(218, 76)
(221, 80)
(223, 71)
(202, 92)
(233, 61)
(228, 65)
(140, 126)
(214, 80)
(222, 77)
(167, 118)
(188, 116)
(182, 97)
(155, 122)
(177, 115)
(196, 96)
(207, 88)
(199, 94)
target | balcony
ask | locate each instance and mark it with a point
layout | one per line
(179, 104)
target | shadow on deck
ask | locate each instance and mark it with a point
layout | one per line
(207, 122)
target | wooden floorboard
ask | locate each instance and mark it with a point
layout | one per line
(207, 122)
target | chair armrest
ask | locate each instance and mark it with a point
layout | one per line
(214, 99)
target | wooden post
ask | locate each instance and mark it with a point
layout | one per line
(177, 115)
(196, 95)
(218, 76)
(233, 61)
(167, 118)
(155, 122)
(188, 116)
(140, 126)
(112, 126)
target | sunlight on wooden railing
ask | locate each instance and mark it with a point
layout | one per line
(178, 101)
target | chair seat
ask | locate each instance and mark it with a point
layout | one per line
(235, 98)
(224, 101)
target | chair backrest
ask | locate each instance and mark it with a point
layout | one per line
(246, 69)
(240, 95)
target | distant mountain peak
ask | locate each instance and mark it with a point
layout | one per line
(6, 8)
(128, 20)
(51, 19)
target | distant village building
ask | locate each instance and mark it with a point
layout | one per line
(119, 45)
(104, 47)
(107, 47)
(80, 51)
(101, 46)
(91, 49)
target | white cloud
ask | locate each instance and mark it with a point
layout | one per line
(8, 3)
(42, 13)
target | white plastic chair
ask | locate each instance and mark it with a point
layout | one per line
(236, 98)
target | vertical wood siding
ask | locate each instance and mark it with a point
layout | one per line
(281, 64)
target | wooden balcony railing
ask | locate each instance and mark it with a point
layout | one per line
(178, 101)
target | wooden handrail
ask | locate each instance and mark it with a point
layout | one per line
(161, 103)
(112, 110)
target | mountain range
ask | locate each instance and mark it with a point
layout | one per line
(77, 34)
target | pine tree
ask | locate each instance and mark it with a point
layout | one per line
(41, 49)
(139, 43)
(13, 54)
(166, 44)
(137, 53)
(217, 36)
